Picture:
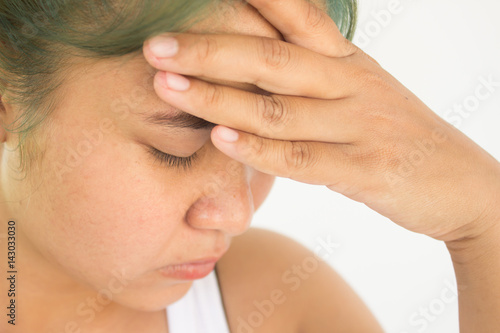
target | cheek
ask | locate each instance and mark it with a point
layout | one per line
(109, 213)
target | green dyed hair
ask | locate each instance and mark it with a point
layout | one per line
(38, 36)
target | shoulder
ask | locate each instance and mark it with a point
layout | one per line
(271, 283)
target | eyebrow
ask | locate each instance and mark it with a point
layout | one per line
(177, 119)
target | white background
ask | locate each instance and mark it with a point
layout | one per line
(439, 49)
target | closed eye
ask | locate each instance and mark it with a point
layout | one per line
(171, 160)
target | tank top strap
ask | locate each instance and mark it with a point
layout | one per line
(201, 310)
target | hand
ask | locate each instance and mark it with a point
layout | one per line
(333, 116)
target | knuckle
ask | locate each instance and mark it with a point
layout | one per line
(213, 95)
(371, 79)
(255, 149)
(206, 48)
(273, 111)
(359, 157)
(386, 157)
(274, 54)
(298, 157)
(378, 121)
(316, 18)
(383, 154)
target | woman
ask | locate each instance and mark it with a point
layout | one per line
(111, 230)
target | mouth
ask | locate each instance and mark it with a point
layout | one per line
(193, 270)
(190, 270)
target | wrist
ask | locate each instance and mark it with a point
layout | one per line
(476, 261)
(482, 242)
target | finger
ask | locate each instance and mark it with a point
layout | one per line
(314, 163)
(271, 116)
(303, 23)
(264, 62)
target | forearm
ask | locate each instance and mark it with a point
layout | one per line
(477, 267)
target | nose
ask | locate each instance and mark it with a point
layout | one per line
(226, 202)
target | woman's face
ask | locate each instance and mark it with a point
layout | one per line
(105, 212)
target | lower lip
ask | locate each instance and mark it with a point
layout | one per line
(188, 271)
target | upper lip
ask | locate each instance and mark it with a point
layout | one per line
(207, 260)
(200, 261)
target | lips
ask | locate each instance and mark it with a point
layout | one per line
(193, 269)
(188, 271)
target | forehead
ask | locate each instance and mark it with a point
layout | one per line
(130, 79)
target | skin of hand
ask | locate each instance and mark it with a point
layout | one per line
(330, 115)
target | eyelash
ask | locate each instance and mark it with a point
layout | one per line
(173, 161)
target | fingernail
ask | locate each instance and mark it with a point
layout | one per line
(227, 134)
(164, 47)
(177, 82)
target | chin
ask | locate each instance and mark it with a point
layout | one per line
(154, 299)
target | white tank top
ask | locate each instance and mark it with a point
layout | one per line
(200, 311)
